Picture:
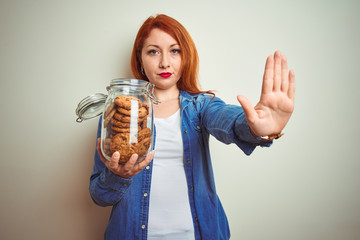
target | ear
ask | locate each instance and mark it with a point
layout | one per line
(142, 70)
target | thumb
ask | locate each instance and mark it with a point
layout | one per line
(248, 108)
(114, 161)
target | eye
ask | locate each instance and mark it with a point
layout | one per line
(153, 52)
(175, 51)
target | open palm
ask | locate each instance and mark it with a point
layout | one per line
(273, 111)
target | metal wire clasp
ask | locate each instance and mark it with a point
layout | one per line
(151, 93)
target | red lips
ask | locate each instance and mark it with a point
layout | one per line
(165, 74)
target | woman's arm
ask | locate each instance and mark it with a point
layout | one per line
(227, 123)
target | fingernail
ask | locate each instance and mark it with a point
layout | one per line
(134, 157)
(116, 154)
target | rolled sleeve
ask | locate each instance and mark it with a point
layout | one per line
(228, 124)
(243, 133)
(114, 181)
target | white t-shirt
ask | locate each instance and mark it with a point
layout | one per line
(169, 209)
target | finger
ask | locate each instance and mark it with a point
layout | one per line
(129, 165)
(114, 161)
(291, 91)
(268, 75)
(149, 157)
(248, 108)
(277, 71)
(284, 75)
(98, 148)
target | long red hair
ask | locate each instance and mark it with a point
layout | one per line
(189, 56)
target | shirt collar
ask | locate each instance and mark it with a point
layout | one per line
(185, 99)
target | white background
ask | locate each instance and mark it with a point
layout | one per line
(54, 53)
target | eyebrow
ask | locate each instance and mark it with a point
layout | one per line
(157, 46)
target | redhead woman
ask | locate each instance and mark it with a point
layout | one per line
(171, 194)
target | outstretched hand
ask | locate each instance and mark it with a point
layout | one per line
(273, 111)
(127, 170)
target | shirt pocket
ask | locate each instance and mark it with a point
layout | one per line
(196, 125)
(196, 130)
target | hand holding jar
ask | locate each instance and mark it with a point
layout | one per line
(130, 168)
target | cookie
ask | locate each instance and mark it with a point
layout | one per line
(125, 101)
(109, 109)
(143, 146)
(120, 143)
(142, 112)
(144, 133)
(125, 130)
(109, 117)
(106, 148)
(144, 123)
(127, 119)
(107, 141)
(120, 124)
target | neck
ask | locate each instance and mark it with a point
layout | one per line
(167, 95)
(169, 102)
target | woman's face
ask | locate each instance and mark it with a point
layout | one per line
(161, 59)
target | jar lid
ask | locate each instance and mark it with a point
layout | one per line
(137, 83)
(90, 107)
(127, 81)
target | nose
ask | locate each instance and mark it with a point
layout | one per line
(164, 62)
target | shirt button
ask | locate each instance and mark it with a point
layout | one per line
(196, 218)
(185, 131)
(147, 167)
(191, 187)
(188, 161)
(198, 127)
(145, 194)
(143, 226)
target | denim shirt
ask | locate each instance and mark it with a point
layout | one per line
(201, 115)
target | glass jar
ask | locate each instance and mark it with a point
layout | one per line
(127, 117)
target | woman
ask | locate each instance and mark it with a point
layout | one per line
(174, 196)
